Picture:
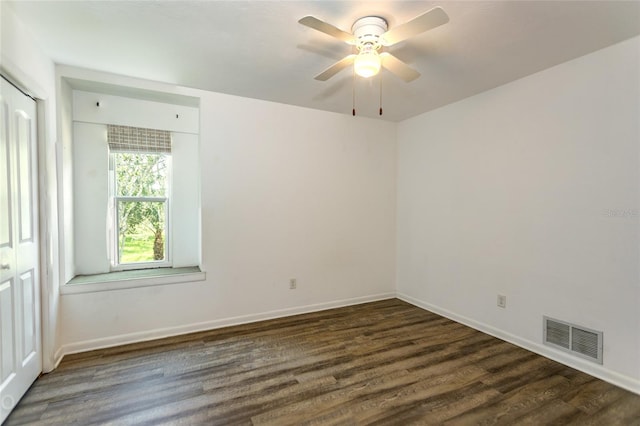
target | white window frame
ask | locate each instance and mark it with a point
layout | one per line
(115, 223)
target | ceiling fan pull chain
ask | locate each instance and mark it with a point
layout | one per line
(353, 93)
(380, 93)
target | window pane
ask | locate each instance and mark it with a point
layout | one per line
(141, 175)
(141, 231)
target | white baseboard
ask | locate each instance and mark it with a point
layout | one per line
(123, 339)
(57, 357)
(625, 382)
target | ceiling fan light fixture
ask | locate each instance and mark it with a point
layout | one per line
(367, 63)
(371, 36)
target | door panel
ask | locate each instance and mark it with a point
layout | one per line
(28, 315)
(5, 179)
(24, 140)
(7, 355)
(21, 355)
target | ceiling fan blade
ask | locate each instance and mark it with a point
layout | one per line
(398, 67)
(431, 19)
(323, 27)
(335, 68)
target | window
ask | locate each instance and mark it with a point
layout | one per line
(134, 198)
(139, 165)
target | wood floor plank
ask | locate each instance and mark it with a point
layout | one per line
(624, 410)
(380, 363)
(554, 412)
(593, 396)
(516, 404)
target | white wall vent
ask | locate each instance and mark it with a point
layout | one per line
(574, 339)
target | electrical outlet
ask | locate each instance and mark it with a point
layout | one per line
(293, 284)
(502, 301)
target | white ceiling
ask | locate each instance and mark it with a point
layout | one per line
(257, 49)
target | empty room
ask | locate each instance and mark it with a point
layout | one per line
(320, 212)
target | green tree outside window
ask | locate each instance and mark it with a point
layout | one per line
(141, 200)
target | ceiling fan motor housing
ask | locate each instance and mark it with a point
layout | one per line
(367, 32)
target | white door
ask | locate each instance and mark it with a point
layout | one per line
(20, 343)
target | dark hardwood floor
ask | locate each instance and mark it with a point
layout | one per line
(386, 363)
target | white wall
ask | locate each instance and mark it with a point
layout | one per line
(91, 198)
(130, 111)
(531, 190)
(287, 193)
(185, 200)
(23, 61)
(65, 177)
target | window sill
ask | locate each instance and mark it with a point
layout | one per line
(131, 279)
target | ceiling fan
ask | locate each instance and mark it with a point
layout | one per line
(371, 35)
